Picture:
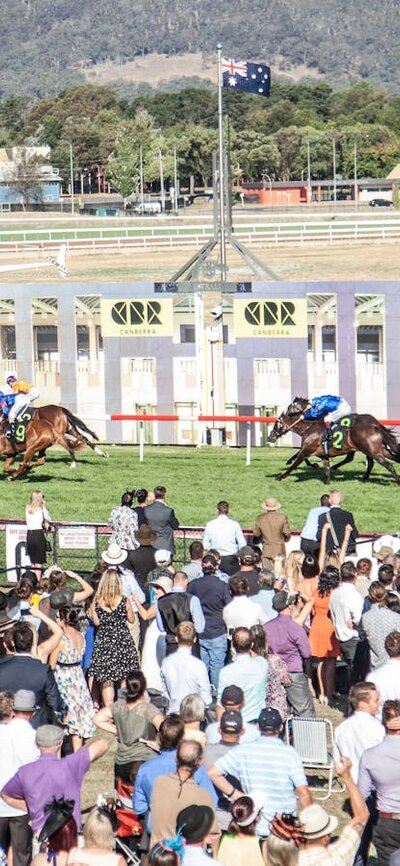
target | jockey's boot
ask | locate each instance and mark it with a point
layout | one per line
(326, 444)
(10, 432)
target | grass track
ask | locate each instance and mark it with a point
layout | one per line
(196, 480)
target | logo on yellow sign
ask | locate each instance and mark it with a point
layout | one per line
(270, 317)
(136, 317)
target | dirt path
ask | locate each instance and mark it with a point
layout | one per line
(366, 261)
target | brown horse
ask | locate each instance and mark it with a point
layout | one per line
(50, 425)
(364, 433)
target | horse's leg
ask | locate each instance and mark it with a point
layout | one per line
(368, 470)
(327, 470)
(387, 465)
(291, 459)
(348, 459)
(300, 456)
(29, 453)
(9, 462)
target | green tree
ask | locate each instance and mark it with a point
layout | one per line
(25, 175)
(123, 167)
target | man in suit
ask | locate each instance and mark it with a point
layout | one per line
(339, 519)
(162, 519)
(22, 671)
(273, 528)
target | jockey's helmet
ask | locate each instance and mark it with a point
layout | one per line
(11, 379)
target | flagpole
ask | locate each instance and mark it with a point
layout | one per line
(222, 230)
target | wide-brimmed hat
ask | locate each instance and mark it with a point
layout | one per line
(270, 504)
(386, 545)
(24, 701)
(317, 822)
(114, 555)
(145, 534)
(163, 582)
(194, 823)
(258, 799)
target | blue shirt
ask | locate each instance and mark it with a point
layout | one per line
(250, 673)
(163, 764)
(268, 766)
(310, 528)
(321, 406)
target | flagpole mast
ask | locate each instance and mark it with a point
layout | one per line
(221, 184)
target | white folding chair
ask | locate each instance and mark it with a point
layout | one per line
(313, 740)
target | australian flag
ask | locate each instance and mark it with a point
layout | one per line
(244, 76)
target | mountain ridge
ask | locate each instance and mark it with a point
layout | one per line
(48, 45)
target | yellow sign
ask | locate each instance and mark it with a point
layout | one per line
(137, 317)
(270, 317)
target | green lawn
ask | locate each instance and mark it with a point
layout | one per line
(196, 479)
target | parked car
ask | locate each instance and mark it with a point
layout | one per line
(380, 202)
(148, 207)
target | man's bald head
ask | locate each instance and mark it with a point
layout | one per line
(189, 755)
(335, 497)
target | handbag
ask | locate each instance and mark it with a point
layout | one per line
(47, 543)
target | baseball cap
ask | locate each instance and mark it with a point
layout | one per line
(269, 719)
(232, 696)
(246, 554)
(281, 600)
(231, 722)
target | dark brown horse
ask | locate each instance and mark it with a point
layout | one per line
(50, 425)
(364, 433)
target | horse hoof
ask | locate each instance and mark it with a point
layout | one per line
(280, 476)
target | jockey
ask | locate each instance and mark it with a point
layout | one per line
(331, 409)
(6, 403)
(24, 393)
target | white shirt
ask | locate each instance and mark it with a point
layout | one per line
(241, 611)
(182, 674)
(34, 519)
(194, 855)
(224, 534)
(387, 680)
(17, 747)
(345, 604)
(359, 732)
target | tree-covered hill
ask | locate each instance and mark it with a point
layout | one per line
(46, 44)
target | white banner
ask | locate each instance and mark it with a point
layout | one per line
(16, 555)
(76, 538)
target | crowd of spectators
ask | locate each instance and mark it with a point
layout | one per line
(193, 673)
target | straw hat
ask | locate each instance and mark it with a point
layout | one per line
(270, 504)
(114, 555)
(317, 822)
(386, 545)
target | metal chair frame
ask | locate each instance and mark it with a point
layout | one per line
(313, 740)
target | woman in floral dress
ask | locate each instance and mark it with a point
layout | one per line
(66, 662)
(114, 653)
(278, 675)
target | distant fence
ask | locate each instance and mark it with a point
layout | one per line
(78, 546)
(358, 228)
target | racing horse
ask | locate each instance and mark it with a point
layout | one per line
(67, 430)
(361, 433)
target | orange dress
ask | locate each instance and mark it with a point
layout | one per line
(324, 644)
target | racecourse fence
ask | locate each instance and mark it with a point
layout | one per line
(299, 232)
(71, 551)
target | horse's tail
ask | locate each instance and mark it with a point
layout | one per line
(80, 426)
(390, 442)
